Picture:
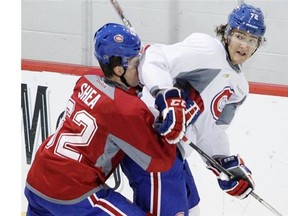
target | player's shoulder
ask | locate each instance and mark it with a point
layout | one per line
(94, 84)
(90, 78)
(203, 38)
(199, 35)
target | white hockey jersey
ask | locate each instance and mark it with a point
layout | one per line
(199, 61)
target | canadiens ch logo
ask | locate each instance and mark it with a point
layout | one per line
(219, 101)
(118, 38)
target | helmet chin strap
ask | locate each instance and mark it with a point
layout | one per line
(123, 79)
(255, 50)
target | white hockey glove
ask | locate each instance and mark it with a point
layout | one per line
(172, 106)
(242, 184)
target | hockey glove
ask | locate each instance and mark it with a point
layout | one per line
(242, 184)
(172, 106)
(192, 111)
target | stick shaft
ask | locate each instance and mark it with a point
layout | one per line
(240, 2)
(230, 175)
(267, 205)
(119, 11)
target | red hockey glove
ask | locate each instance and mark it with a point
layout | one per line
(242, 184)
(172, 106)
(192, 111)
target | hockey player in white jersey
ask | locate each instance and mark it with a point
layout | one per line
(210, 72)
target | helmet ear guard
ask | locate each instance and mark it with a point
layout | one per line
(246, 18)
(114, 39)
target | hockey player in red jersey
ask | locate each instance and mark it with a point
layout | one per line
(210, 72)
(104, 120)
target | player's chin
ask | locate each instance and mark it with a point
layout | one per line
(134, 83)
(239, 59)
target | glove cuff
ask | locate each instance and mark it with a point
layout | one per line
(163, 97)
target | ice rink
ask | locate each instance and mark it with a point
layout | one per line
(258, 133)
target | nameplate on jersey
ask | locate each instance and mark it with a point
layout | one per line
(88, 95)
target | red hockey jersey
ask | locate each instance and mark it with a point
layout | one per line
(102, 123)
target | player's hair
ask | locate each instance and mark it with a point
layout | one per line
(220, 31)
(108, 68)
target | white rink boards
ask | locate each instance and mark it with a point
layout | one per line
(258, 133)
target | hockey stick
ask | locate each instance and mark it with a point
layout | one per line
(240, 2)
(230, 176)
(127, 23)
(119, 11)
